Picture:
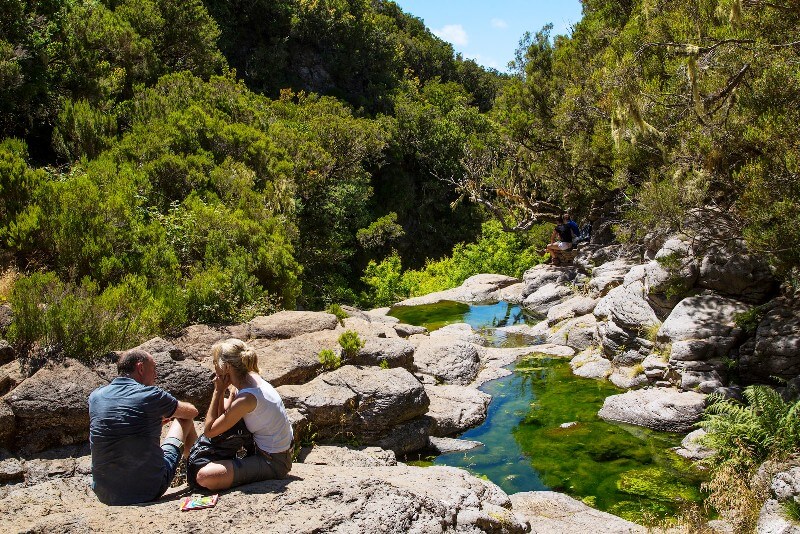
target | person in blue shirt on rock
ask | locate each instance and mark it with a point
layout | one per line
(125, 419)
(576, 232)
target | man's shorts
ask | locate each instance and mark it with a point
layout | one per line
(563, 245)
(173, 451)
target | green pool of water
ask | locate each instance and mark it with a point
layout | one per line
(542, 432)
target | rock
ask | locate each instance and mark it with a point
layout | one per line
(159, 345)
(394, 351)
(549, 512)
(733, 272)
(6, 316)
(655, 367)
(574, 307)
(786, 484)
(296, 360)
(549, 350)
(776, 349)
(7, 424)
(624, 347)
(478, 288)
(406, 330)
(447, 360)
(671, 274)
(543, 274)
(459, 331)
(288, 324)
(368, 329)
(7, 353)
(662, 409)
(380, 315)
(626, 306)
(448, 445)
(546, 297)
(609, 275)
(351, 311)
(11, 470)
(299, 422)
(591, 364)
(407, 437)
(515, 293)
(347, 456)
(362, 402)
(691, 449)
(701, 332)
(578, 333)
(186, 380)
(195, 341)
(314, 498)
(772, 520)
(51, 407)
(628, 378)
(455, 409)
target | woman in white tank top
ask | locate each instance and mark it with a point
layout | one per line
(255, 401)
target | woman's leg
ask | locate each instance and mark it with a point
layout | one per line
(216, 475)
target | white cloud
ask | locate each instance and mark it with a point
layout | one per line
(488, 62)
(453, 33)
(499, 23)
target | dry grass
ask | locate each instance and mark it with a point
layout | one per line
(738, 497)
(7, 279)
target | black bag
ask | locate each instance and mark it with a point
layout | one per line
(236, 442)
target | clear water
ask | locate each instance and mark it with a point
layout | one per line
(542, 431)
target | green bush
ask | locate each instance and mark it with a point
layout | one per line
(341, 315)
(82, 321)
(329, 359)
(350, 343)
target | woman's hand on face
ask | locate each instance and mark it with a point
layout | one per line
(221, 380)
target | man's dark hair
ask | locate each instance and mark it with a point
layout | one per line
(127, 362)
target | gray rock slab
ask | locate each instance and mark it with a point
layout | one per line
(344, 456)
(50, 407)
(574, 307)
(578, 333)
(395, 352)
(609, 275)
(448, 445)
(776, 348)
(691, 449)
(455, 409)
(448, 360)
(700, 317)
(591, 364)
(287, 324)
(296, 360)
(195, 341)
(459, 331)
(314, 498)
(772, 520)
(540, 275)
(550, 512)
(733, 271)
(478, 288)
(546, 297)
(663, 409)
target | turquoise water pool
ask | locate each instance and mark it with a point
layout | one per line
(542, 431)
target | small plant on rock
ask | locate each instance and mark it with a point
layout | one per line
(341, 315)
(329, 359)
(350, 343)
(384, 364)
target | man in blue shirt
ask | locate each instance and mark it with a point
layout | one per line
(125, 420)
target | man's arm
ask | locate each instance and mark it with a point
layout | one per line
(185, 410)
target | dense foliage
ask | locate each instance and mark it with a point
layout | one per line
(224, 159)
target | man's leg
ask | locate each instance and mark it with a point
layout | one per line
(183, 429)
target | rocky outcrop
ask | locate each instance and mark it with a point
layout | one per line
(692, 448)
(701, 334)
(547, 296)
(670, 275)
(314, 498)
(393, 351)
(362, 403)
(541, 275)
(478, 288)
(624, 318)
(775, 350)
(732, 271)
(455, 409)
(574, 307)
(447, 360)
(295, 360)
(579, 333)
(609, 275)
(591, 364)
(195, 341)
(50, 408)
(663, 409)
(7, 353)
(287, 324)
(784, 487)
(346, 456)
(7, 425)
(549, 512)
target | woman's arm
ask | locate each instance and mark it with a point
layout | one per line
(218, 421)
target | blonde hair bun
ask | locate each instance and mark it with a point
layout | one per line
(236, 354)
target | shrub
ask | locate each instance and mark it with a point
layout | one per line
(329, 359)
(341, 315)
(350, 343)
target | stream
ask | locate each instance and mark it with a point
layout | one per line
(542, 431)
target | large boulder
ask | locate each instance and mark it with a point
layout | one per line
(478, 288)
(361, 402)
(394, 351)
(447, 360)
(314, 498)
(549, 512)
(775, 351)
(543, 274)
(295, 360)
(195, 341)
(574, 307)
(578, 333)
(460, 331)
(591, 364)
(609, 275)
(7, 353)
(455, 409)
(50, 407)
(546, 297)
(733, 272)
(701, 334)
(664, 409)
(784, 487)
(671, 274)
(288, 324)
(347, 456)
(7, 425)
(624, 319)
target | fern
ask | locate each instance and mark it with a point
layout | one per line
(745, 435)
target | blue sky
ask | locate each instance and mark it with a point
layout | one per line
(489, 31)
